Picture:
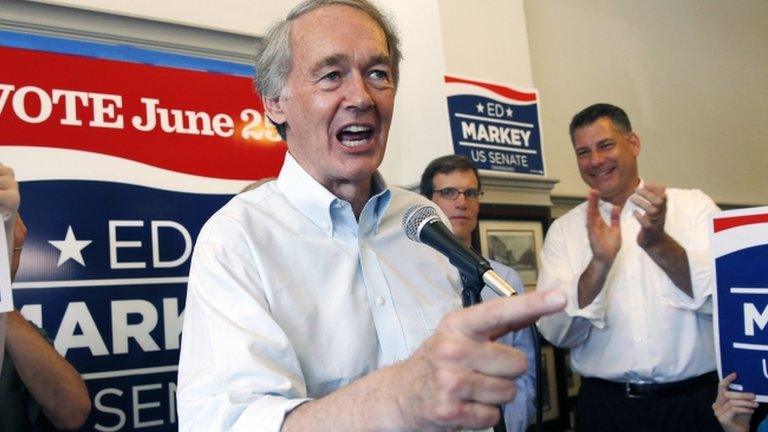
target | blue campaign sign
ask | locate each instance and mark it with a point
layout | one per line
(104, 272)
(496, 126)
(740, 255)
(122, 154)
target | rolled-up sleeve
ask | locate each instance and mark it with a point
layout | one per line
(561, 271)
(697, 210)
(238, 370)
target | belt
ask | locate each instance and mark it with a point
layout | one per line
(635, 390)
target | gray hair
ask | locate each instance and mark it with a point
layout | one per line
(273, 59)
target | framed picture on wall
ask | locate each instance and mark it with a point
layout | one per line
(550, 408)
(514, 243)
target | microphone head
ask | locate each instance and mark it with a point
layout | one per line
(414, 219)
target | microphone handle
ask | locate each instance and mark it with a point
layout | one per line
(470, 263)
(434, 233)
(498, 284)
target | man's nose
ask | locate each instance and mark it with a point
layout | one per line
(461, 201)
(596, 158)
(358, 95)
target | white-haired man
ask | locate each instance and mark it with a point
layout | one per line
(308, 308)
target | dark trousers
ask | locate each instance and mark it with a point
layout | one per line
(601, 409)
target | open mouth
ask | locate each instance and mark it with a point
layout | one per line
(354, 135)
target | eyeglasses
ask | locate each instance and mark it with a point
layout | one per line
(451, 193)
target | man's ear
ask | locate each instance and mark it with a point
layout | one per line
(274, 110)
(634, 140)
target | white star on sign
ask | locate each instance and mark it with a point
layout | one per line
(479, 107)
(509, 112)
(70, 247)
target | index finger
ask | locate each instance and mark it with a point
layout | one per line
(500, 316)
(593, 210)
(735, 395)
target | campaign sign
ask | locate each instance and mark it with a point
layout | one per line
(740, 254)
(496, 126)
(122, 154)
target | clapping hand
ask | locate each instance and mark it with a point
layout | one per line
(652, 198)
(604, 239)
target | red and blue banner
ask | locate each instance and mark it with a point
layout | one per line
(496, 126)
(740, 254)
(122, 154)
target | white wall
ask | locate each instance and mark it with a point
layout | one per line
(420, 129)
(486, 39)
(690, 73)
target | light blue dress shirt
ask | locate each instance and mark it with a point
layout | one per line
(290, 298)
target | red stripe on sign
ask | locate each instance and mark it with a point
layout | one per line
(722, 224)
(500, 90)
(193, 122)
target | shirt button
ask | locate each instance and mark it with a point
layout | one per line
(636, 306)
(326, 226)
(640, 339)
(380, 301)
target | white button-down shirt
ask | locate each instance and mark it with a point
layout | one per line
(290, 298)
(640, 327)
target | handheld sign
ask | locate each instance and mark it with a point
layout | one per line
(740, 255)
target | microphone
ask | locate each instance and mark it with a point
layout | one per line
(422, 225)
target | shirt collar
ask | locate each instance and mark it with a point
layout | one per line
(316, 202)
(381, 198)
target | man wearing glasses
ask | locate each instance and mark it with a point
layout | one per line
(452, 182)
